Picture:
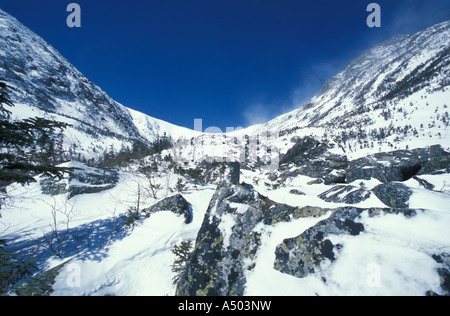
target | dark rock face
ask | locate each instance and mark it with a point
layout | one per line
(226, 243)
(399, 165)
(92, 180)
(395, 195)
(235, 172)
(216, 266)
(177, 204)
(444, 272)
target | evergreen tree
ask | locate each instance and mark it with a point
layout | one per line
(183, 254)
(27, 147)
(181, 186)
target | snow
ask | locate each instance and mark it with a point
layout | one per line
(400, 247)
(150, 128)
(227, 222)
(137, 265)
(134, 262)
(391, 257)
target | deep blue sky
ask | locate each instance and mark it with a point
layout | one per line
(230, 62)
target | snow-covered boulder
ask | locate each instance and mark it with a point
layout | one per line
(176, 204)
(400, 165)
(314, 159)
(304, 254)
(82, 180)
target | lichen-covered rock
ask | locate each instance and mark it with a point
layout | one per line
(225, 239)
(227, 243)
(444, 272)
(395, 195)
(40, 285)
(424, 183)
(176, 204)
(304, 254)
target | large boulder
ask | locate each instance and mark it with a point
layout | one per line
(400, 165)
(176, 204)
(83, 180)
(395, 195)
(92, 180)
(303, 254)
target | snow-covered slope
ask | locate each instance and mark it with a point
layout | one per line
(152, 128)
(315, 221)
(394, 96)
(400, 85)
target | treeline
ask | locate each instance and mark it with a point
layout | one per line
(112, 158)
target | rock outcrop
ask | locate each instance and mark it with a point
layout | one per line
(227, 243)
(312, 158)
(83, 180)
(176, 204)
(395, 195)
(347, 194)
(400, 165)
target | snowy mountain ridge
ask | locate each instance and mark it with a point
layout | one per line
(44, 83)
(394, 96)
(364, 109)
